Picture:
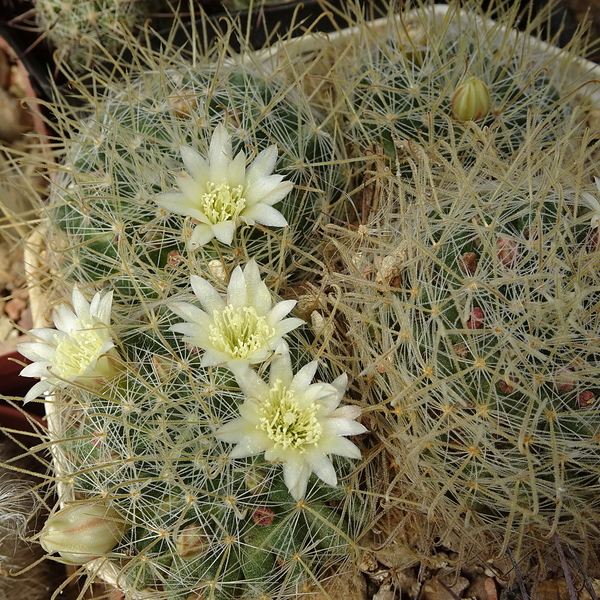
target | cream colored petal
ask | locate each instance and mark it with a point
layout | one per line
(263, 214)
(224, 232)
(323, 468)
(237, 295)
(262, 165)
(219, 154)
(201, 235)
(209, 297)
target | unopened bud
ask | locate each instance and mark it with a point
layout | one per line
(263, 516)
(471, 100)
(82, 532)
(586, 399)
(191, 541)
(507, 251)
(476, 318)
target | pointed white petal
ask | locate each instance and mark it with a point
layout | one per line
(340, 446)
(303, 378)
(323, 468)
(194, 163)
(262, 165)
(237, 170)
(263, 214)
(201, 235)
(208, 296)
(252, 385)
(342, 427)
(233, 431)
(295, 476)
(190, 313)
(250, 445)
(224, 232)
(280, 310)
(268, 191)
(64, 319)
(288, 325)
(36, 351)
(236, 290)
(281, 367)
(38, 389)
(346, 412)
(36, 369)
(219, 154)
(192, 191)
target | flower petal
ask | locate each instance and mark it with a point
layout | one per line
(201, 235)
(219, 154)
(339, 445)
(263, 214)
(262, 165)
(208, 296)
(236, 290)
(295, 476)
(195, 164)
(323, 468)
(224, 231)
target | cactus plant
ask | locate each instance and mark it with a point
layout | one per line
(194, 194)
(81, 30)
(474, 302)
(413, 76)
(179, 228)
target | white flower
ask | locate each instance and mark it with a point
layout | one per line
(80, 349)
(220, 192)
(293, 421)
(240, 330)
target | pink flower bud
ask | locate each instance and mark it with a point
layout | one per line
(586, 399)
(82, 532)
(471, 100)
(504, 385)
(191, 541)
(263, 516)
(507, 251)
(564, 380)
(476, 318)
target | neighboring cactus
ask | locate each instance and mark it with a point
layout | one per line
(477, 318)
(409, 82)
(79, 29)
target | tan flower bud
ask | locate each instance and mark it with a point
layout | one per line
(471, 100)
(82, 532)
(191, 541)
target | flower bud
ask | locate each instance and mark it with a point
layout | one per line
(471, 100)
(476, 318)
(263, 516)
(191, 541)
(82, 532)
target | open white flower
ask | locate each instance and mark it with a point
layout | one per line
(240, 330)
(294, 421)
(220, 192)
(80, 349)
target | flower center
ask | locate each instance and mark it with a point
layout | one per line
(221, 202)
(239, 332)
(75, 353)
(286, 424)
